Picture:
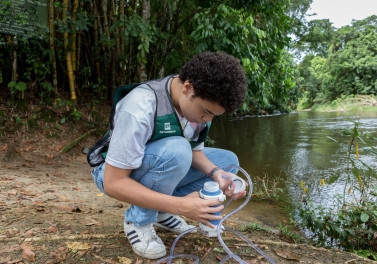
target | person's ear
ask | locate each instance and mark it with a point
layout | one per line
(187, 88)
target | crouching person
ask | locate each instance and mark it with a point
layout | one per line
(154, 156)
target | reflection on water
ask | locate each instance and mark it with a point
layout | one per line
(298, 146)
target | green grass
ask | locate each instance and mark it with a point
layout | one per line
(367, 103)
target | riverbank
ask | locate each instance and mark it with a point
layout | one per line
(51, 212)
(350, 103)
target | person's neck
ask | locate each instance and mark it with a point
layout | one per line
(175, 93)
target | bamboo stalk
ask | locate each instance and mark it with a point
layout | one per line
(105, 18)
(74, 36)
(71, 76)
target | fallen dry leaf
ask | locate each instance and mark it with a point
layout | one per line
(27, 246)
(52, 229)
(28, 255)
(78, 246)
(92, 222)
(26, 193)
(30, 233)
(12, 193)
(252, 261)
(124, 260)
(69, 208)
(59, 255)
(12, 232)
(287, 255)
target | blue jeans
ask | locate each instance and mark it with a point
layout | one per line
(166, 168)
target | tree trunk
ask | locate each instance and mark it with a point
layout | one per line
(74, 36)
(106, 30)
(96, 36)
(71, 76)
(114, 62)
(14, 59)
(121, 40)
(14, 43)
(142, 72)
(51, 16)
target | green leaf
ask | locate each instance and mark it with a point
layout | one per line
(11, 84)
(364, 217)
(20, 86)
(351, 231)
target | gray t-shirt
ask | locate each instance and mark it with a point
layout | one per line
(133, 127)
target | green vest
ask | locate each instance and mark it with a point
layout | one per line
(166, 121)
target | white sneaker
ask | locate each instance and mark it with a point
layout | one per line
(144, 241)
(172, 223)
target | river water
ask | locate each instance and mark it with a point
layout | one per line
(302, 146)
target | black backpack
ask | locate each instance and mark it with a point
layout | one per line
(97, 152)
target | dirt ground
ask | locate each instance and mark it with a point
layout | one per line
(51, 212)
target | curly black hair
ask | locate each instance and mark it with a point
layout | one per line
(217, 77)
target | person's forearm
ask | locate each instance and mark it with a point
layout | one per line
(201, 162)
(120, 186)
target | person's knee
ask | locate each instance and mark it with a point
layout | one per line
(170, 154)
(232, 158)
(180, 150)
(98, 175)
(222, 157)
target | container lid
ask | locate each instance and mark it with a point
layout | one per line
(211, 186)
(240, 185)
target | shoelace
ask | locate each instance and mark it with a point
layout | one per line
(149, 233)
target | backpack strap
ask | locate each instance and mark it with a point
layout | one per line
(97, 152)
(119, 93)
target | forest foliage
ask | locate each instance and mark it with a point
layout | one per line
(89, 47)
(338, 62)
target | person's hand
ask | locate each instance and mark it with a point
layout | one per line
(224, 179)
(200, 209)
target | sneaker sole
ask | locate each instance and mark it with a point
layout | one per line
(143, 254)
(150, 256)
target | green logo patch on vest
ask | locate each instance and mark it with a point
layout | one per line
(166, 125)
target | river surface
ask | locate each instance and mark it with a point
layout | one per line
(295, 147)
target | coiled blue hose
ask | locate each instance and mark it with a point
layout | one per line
(232, 255)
